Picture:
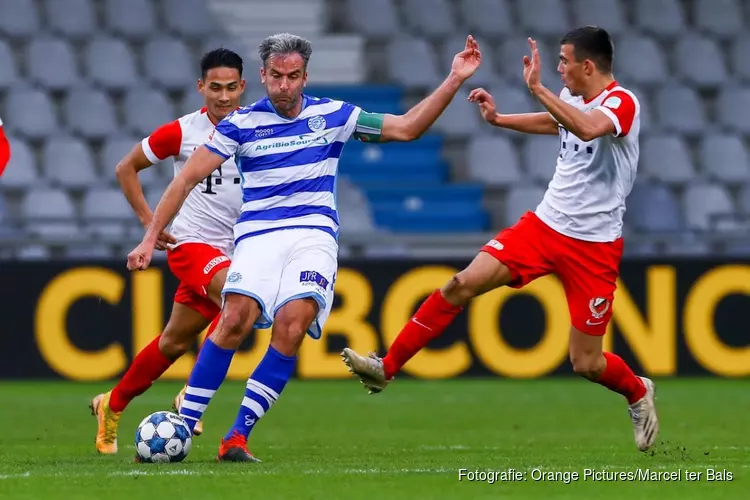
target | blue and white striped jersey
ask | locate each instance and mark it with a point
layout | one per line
(289, 166)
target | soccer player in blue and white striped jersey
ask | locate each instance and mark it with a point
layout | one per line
(283, 271)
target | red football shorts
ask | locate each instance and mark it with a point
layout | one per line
(588, 270)
(195, 265)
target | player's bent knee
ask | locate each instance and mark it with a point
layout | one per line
(237, 319)
(588, 365)
(172, 347)
(291, 324)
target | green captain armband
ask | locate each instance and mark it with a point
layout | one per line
(369, 127)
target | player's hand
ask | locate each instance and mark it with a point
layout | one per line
(486, 103)
(140, 257)
(532, 67)
(466, 62)
(164, 241)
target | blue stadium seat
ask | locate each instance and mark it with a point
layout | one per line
(740, 57)
(607, 13)
(435, 22)
(725, 158)
(460, 120)
(372, 98)
(30, 113)
(374, 18)
(653, 208)
(719, 18)
(68, 162)
(72, 19)
(190, 18)
(704, 203)
(411, 62)
(111, 64)
(108, 213)
(52, 63)
(146, 109)
(115, 149)
(661, 18)
(640, 60)
(667, 158)
(700, 61)
(680, 110)
(90, 113)
(8, 68)
(494, 161)
(731, 109)
(544, 17)
(49, 212)
(21, 171)
(385, 164)
(446, 209)
(168, 63)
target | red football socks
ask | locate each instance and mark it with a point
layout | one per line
(618, 377)
(148, 365)
(428, 323)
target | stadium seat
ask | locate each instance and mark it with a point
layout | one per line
(689, 248)
(511, 99)
(133, 19)
(700, 61)
(660, 18)
(731, 109)
(724, 157)
(49, 213)
(372, 98)
(544, 17)
(114, 150)
(667, 158)
(111, 64)
(107, 213)
(436, 21)
(8, 67)
(653, 208)
(640, 249)
(743, 200)
(460, 119)
(640, 60)
(30, 113)
(374, 18)
(540, 153)
(168, 64)
(719, 18)
(740, 57)
(491, 18)
(680, 109)
(68, 163)
(353, 208)
(72, 19)
(418, 162)
(411, 62)
(191, 101)
(703, 204)
(190, 19)
(146, 109)
(52, 63)
(34, 252)
(520, 199)
(19, 19)
(21, 171)
(494, 161)
(446, 209)
(90, 113)
(89, 252)
(607, 13)
(737, 249)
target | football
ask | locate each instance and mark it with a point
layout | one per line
(162, 437)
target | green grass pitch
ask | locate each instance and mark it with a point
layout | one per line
(330, 440)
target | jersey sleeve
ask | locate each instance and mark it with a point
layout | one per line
(4, 149)
(620, 107)
(226, 137)
(163, 142)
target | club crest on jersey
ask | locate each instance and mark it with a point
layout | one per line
(316, 123)
(234, 278)
(599, 307)
(313, 278)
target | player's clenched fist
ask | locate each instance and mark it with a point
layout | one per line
(140, 257)
(486, 103)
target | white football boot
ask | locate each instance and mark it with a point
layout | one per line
(645, 420)
(369, 369)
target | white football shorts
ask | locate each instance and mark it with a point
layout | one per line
(277, 267)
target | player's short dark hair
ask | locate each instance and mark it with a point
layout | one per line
(220, 58)
(591, 42)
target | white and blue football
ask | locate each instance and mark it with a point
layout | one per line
(162, 437)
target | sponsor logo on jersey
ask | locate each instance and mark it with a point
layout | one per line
(495, 244)
(214, 262)
(302, 140)
(313, 278)
(263, 132)
(613, 102)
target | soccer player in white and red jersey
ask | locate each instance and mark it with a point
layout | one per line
(575, 232)
(4, 149)
(199, 243)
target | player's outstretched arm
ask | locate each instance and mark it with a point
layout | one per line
(199, 166)
(419, 119)
(528, 123)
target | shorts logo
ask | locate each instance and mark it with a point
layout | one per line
(316, 123)
(234, 278)
(495, 244)
(599, 307)
(214, 262)
(313, 278)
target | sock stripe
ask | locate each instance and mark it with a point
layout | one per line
(263, 390)
(192, 405)
(260, 394)
(254, 406)
(197, 391)
(187, 412)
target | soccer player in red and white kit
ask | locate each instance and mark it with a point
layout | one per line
(199, 243)
(4, 149)
(575, 232)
